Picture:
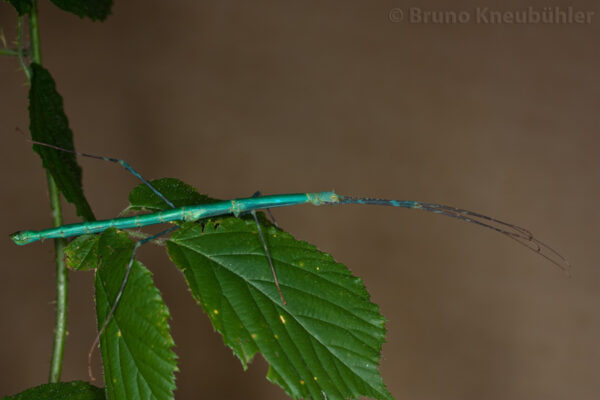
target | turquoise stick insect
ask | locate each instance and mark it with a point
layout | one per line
(252, 204)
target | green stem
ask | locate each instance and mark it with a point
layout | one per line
(62, 278)
(9, 52)
(20, 52)
(34, 32)
(62, 287)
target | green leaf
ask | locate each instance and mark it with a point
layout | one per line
(326, 340)
(76, 390)
(141, 198)
(49, 124)
(22, 6)
(93, 9)
(136, 344)
(81, 253)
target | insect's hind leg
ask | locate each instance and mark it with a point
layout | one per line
(264, 243)
(262, 239)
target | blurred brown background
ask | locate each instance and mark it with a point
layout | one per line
(281, 97)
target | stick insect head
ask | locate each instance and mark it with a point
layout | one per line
(23, 237)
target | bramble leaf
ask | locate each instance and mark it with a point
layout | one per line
(326, 340)
(136, 344)
(49, 124)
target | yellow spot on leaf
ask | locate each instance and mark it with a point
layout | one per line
(302, 382)
(254, 336)
(318, 268)
(276, 337)
(119, 334)
(215, 311)
(282, 319)
(315, 378)
(301, 263)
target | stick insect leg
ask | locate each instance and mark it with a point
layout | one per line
(268, 210)
(123, 163)
(120, 293)
(262, 239)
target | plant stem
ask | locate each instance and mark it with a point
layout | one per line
(20, 52)
(34, 32)
(62, 278)
(62, 287)
(9, 52)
